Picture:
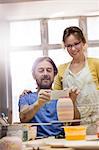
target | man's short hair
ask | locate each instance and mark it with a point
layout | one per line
(40, 59)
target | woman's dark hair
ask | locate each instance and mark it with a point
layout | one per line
(73, 30)
(40, 59)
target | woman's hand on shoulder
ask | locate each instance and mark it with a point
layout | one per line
(25, 92)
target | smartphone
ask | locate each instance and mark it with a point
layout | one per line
(56, 94)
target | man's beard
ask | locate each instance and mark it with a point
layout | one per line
(43, 84)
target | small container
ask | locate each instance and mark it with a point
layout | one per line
(25, 133)
(29, 132)
(15, 130)
(75, 132)
(32, 132)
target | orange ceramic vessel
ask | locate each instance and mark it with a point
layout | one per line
(75, 132)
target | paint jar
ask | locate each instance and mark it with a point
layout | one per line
(25, 133)
(15, 130)
(75, 132)
(32, 132)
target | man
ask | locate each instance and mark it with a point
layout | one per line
(36, 107)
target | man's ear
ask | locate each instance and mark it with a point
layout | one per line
(85, 47)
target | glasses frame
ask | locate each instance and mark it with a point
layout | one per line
(75, 45)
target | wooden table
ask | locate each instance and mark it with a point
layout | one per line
(60, 144)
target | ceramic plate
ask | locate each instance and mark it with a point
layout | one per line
(61, 143)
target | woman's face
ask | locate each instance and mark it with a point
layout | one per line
(74, 46)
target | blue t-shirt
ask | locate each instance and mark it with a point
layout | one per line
(45, 114)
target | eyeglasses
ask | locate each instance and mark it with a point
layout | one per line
(75, 45)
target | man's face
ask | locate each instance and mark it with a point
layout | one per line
(44, 75)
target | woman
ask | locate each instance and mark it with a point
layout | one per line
(81, 72)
